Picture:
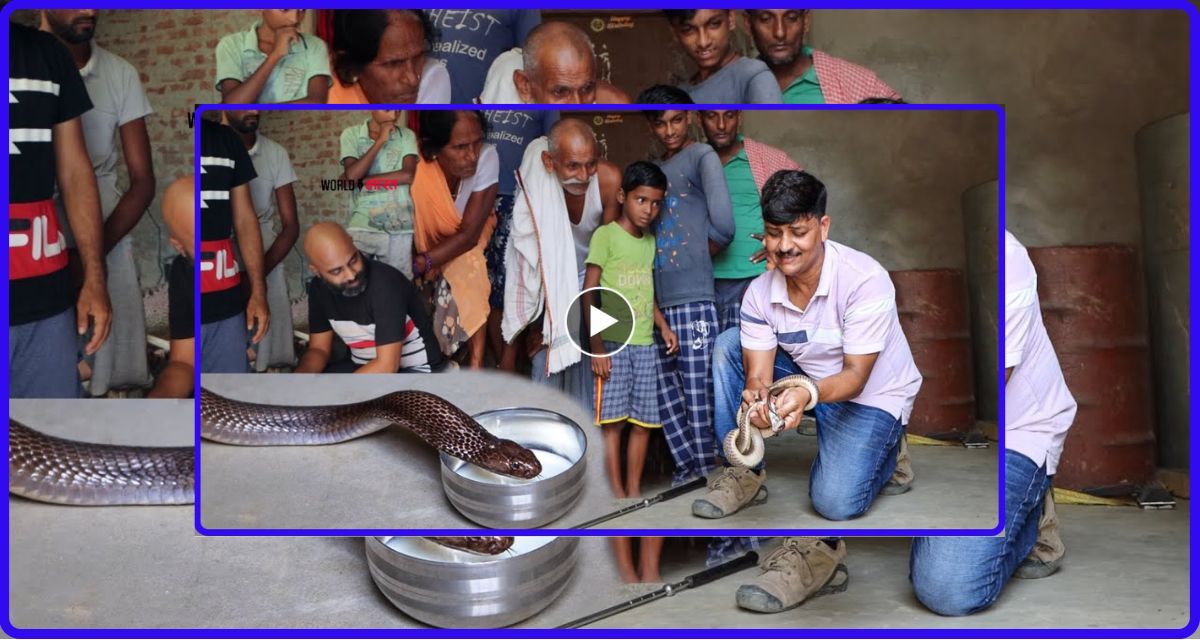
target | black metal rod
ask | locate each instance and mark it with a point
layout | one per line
(698, 579)
(673, 492)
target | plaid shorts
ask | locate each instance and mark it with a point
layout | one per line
(631, 391)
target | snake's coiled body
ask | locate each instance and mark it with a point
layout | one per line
(439, 423)
(59, 471)
(479, 545)
(745, 445)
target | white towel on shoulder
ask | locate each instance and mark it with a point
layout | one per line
(540, 269)
(499, 87)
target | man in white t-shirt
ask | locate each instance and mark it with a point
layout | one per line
(958, 576)
(829, 312)
(118, 116)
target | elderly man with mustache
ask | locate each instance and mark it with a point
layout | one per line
(582, 188)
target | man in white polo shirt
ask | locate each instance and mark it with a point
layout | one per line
(829, 312)
(958, 576)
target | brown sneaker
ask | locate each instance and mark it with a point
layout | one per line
(1048, 551)
(799, 570)
(903, 476)
(730, 489)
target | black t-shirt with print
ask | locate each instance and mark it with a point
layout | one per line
(45, 89)
(224, 164)
(180, 298)
(389, 311)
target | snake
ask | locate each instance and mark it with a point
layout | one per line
(745, 445)
(60, 471)
(435, 420)
(479, 545)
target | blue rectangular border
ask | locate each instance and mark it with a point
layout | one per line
(1001, 167)
(1188, 629)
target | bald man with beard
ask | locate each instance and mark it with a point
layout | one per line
(179, 213)
(374, 309)
(556, 66)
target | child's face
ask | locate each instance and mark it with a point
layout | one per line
(671, 129)
(283, 18)
(641, 205)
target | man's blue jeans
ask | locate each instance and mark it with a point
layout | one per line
(958, 576)
(856, 444)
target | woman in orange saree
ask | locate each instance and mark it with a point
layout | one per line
(454, 197)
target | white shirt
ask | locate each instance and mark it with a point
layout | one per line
(435, 83)
(274, 169)
(852, 312)
(487, 173)
(117, 99)
(1038, 406)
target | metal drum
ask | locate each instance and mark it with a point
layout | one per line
(1162, 153)
(1091, 299)
(502, 502)
(932, 306)
(981, 223)
(448, 588)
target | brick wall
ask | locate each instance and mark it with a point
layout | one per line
(312, 138)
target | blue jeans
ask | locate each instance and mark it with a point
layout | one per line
(958, 576)
(223, 346)
(856, 444)
(43, 359)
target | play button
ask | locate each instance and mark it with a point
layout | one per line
(609, 317)
(599, 321)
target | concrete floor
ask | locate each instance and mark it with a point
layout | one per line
(386, 480)
(955, 488)
(361, 484)
(145, 567)
(1125, 568)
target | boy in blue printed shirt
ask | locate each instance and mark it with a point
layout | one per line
(696, 222)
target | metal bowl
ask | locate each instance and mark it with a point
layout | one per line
(447, 588)
(498, 501)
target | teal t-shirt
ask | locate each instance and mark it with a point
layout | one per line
(238, 57)
(627, 265)
(807, 88)
(384, 209)
(734, 260)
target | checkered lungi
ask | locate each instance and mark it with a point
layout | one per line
(631, 391)
(685, 389)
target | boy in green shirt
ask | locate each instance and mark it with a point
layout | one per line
(621, 258)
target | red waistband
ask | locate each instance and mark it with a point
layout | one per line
(218, 267)
(36, 246)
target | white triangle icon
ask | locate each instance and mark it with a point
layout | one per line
(599, 321)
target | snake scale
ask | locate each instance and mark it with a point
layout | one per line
(49, 469)
(55, 470)
(479, 545)
(745, 445)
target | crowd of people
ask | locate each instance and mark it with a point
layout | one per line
(441, 56)
(491, 223)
